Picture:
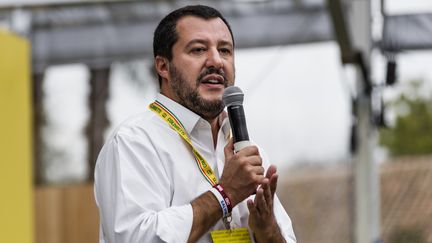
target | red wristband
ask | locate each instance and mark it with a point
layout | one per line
(220, 189)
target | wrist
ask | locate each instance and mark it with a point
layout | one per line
(224, 200)
(230, 195)
(225, 196)
(270, 234)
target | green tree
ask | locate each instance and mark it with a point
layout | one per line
(412, 131)
(407, 235)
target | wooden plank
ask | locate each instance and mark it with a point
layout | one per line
(49, 210)
(66, 214)
(82, 216)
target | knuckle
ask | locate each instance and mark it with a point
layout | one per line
(260, 160)
(261, 170)
(242, 164)
(254, 149)
(236, 156)
(248, 170)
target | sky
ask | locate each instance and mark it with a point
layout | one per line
(296, 101)
(295, 110)
(406, 7)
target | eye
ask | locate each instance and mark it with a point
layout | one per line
(225, 51)
(198, 50)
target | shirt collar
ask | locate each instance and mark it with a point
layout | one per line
(225, 125)
(188, 118)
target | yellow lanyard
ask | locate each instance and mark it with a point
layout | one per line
(176, 125)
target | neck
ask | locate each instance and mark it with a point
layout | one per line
(214, 124)
(214, 121)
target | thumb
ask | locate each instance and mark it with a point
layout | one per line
(229, 150)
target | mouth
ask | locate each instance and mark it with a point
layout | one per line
(213, 79)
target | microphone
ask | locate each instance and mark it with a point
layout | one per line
(233, 99)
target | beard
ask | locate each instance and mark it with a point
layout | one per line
(189, 96)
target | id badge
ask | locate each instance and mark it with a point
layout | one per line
(238, 235)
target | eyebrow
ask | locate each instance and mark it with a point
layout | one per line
(201, 41)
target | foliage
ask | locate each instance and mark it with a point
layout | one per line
(407, 235)
(412, 131)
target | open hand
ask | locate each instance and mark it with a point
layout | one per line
(261, 219)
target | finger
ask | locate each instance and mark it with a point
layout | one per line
(229, 149)
(254, 160)
(251, 207)
(265, 184)
(249, 151)
(267, 194)
(258, 180)
(258, 170)
(260, 200)
(271, 170)
(273, 184)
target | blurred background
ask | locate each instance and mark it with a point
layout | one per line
(338, 93)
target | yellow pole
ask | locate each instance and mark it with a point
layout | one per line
(16, 184)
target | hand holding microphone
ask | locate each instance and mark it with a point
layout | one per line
(243, 171)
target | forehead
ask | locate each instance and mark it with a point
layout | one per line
(191, 28)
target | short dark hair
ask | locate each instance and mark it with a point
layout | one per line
(165, 35)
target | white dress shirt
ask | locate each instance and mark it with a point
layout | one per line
(146, 178)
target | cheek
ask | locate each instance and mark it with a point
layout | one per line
(188, 70)
(192, 70)
(230, 72)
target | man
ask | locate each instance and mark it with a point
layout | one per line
(170, 174)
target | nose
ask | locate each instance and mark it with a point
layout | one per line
(214, 59)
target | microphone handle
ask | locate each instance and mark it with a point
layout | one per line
(238, 127)
(240, 145)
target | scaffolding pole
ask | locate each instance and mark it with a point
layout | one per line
(352, 29)
(366, 176)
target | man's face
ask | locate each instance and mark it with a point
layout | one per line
(202, 65)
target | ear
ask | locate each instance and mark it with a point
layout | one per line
(161, 65)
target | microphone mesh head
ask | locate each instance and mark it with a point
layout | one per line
(232, 95)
